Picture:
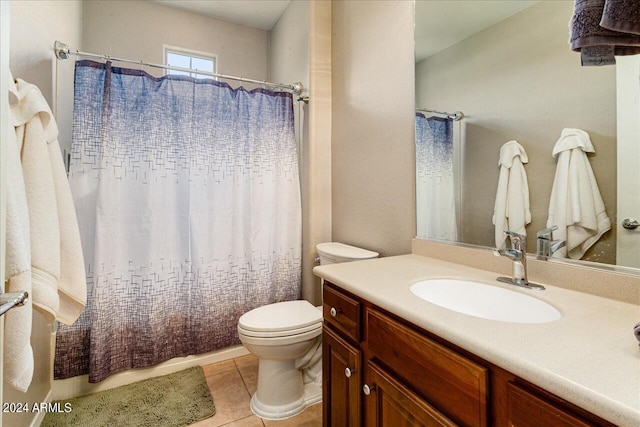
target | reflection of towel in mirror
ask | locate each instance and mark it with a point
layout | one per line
(511, 210)
(576, 205)
(606, 23)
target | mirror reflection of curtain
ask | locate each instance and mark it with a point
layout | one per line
(188, 201)
(435, 187)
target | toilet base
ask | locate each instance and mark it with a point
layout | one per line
(312, 395)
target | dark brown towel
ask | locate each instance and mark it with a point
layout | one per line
(622, 16)
(586, 28)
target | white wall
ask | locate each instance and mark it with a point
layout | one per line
(35, 25)
(519, 80)
(373, 166)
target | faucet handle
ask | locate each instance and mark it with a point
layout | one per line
(514, 234)
(518, 241)
(547, 233)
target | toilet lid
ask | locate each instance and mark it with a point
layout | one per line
(281, 316)
(340, 250)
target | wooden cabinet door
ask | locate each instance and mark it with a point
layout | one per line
(390, 404)
(341, 380)
(454, 384)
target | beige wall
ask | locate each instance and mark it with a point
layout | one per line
(519, 80)
(35, 25)
(5, 80)
(316, 162)
(289, 46)
(373, 168)
(138, 30)
(300, 49)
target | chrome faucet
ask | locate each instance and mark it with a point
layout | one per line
(517, 254)
(546, 245)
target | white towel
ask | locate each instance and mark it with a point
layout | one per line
(576, 205)
(57, 266)
(511, 210)
(18, 354)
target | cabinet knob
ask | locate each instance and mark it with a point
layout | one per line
(348, 372)
(334, 312)
(367, 390)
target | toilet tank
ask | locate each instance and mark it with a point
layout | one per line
(334, 252)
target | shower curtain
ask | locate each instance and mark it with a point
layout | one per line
(435, 186)
(188, 200)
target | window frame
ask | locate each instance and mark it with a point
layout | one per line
(191, 54)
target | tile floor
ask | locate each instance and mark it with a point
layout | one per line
(232, 383)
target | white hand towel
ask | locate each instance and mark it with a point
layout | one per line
(576, 205)
(18, 354)
(58, 278)
(511, 210)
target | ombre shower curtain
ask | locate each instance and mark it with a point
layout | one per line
(188, 200)
(435, 185)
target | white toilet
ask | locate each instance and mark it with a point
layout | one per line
(286, 337)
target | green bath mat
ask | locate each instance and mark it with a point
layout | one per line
(177, 399)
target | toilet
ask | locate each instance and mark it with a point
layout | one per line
(287, 339)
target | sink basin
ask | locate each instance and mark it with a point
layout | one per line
(486, 301)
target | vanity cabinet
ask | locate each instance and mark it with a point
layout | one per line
(449, 381)
(341, 381)
(389, 403)
(381, 371)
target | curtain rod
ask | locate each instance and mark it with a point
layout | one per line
(62, 51)
(455, 116)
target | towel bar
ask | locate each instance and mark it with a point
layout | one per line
(12, 299)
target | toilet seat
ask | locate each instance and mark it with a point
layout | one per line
(278, 334)
(283, 319)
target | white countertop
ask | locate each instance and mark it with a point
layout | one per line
(588, 357)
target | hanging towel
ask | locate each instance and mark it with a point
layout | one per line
(620, 15)
(576, 205)
(606, 23)
(511, 210)
(18, 354)
(57, 265)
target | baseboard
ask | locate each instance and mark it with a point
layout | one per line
(37, 420)
(80, 385)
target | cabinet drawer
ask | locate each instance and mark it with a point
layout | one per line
(341, 312)
(454, 384)
(528, 410)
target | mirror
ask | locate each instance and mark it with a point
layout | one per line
(507, 66)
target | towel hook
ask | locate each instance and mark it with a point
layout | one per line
(12, 299)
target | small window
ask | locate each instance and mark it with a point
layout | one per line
(192, 60)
